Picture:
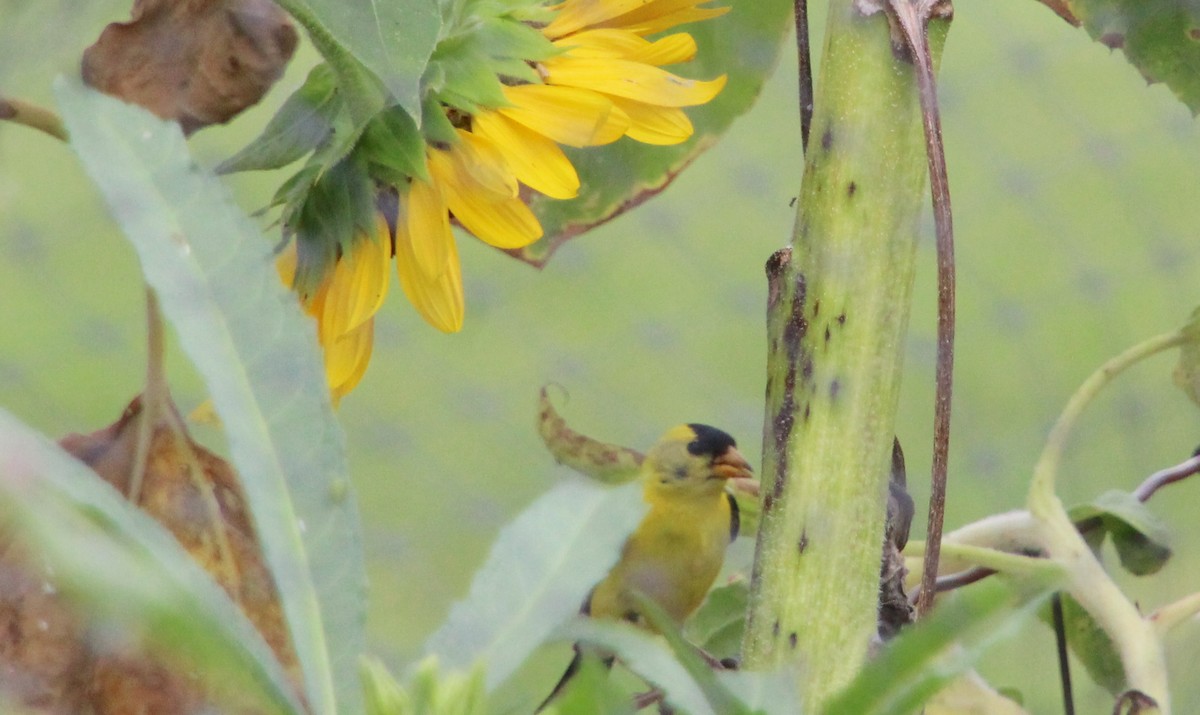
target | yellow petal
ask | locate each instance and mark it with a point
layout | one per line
(346, 359)
(438, 298)
(632, 80)
(359, 284)
(655, 125)
(571, 116)
(428, 227)
(643, 23)
(622, 44)
(501, 222)
(536, 160)
(577, 14)
(485, 163)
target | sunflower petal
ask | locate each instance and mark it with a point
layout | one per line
(536, 160)
(650, 124)
(437, 297)
(632, 80)
(346, 359)
(359, 284)
(485, 163)
(568, 115)
(501, 222)
(644, 24)
(428, 227)
(623, 44)
(575, 15)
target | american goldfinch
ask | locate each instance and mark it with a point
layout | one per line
(676, 552)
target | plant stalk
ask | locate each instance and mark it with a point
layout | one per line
(838, 307)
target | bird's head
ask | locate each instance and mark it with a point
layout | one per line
(693, 459)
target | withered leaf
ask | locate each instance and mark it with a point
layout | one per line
(198, 62)
(53, 662)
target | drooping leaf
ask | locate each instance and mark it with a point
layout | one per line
(1090, 644)
(124, 568)
(938, 648)
(719, 697)
(1160, 38)
(369, 41)
(1187, 370)
(772, 691)
(198, 63)
(591, 691)
(300, 126)
(645, 655)
(213, 272)
(717, 625)
(743, 44)
(530, 584)
(604, 462)
(1141, 539)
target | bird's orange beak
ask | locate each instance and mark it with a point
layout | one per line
(731, 465)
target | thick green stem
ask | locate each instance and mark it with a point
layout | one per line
(837, 317)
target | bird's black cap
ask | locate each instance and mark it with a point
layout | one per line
(709, 440)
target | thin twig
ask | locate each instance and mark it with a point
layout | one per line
(154, 394)
(1064, 665)
(33, 116)
(804, 56)
(1163, 477)
(912, 18)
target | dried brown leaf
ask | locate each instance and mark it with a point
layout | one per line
(50, 662)
(198, 62)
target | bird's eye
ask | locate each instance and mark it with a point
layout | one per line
(681, 472)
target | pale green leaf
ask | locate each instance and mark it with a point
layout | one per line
(537, 575)
(927, 656)
(213, 272)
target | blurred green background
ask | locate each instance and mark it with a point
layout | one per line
(1077, 206)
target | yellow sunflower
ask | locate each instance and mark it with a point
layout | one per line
(600, 80)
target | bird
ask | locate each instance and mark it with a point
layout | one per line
(675, 553)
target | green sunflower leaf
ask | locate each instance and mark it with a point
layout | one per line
(369, 42)
(717, 625)
(1160, 38)
(744, 45)
(302, 124)
(212, 270)
(1141, 539)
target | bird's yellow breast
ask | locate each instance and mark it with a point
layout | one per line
(673, 557)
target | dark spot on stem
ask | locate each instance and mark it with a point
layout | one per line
(775, 628)
(841, 319)
(807, 369)
(807, 411)
(835, 386)
(802, 544)
(827, 334)
(816, 307)
(793, 201)
(852, 189)
(793, 640)
(1194, 33)
(827, 139)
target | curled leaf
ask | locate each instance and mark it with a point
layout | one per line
(1140, 538)
(198, 63)
(604, 462)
